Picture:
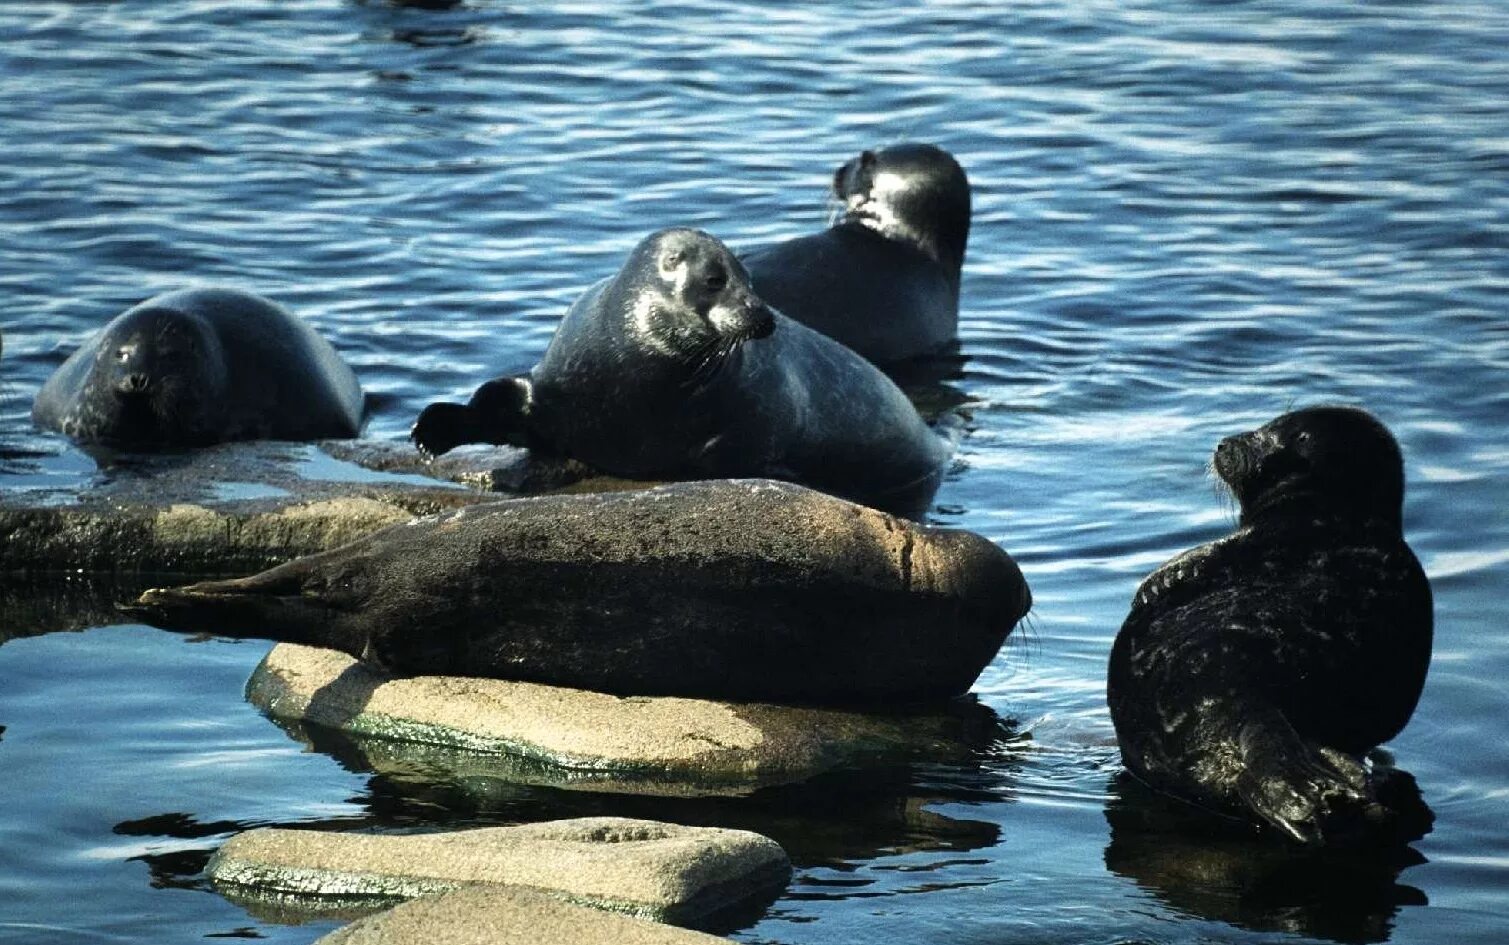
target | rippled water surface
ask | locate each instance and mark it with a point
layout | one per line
(1188, 218)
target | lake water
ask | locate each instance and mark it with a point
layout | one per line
(1189, 216)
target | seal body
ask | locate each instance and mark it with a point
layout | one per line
(201, 366)
(1254, 672)
(751, 590)
(884, 280)
(675, 368)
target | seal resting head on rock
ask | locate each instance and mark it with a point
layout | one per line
(1253, 673)
(675, 369)
(884, 279)
(201, 366)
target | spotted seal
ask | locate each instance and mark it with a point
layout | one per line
(884, 279)
(1254, 672)
(675, 368)
(201, 366)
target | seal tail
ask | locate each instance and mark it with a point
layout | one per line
(497, 413)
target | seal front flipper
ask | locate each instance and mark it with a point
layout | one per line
(497, 413)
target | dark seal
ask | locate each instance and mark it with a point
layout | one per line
(1253, 673)
(674, 368)
(884, 280)
(201, 366)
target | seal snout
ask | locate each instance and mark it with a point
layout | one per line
(134, 384)
(1233, 459)
(744, 317)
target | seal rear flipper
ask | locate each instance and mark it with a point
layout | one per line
(286, 604)
(1311, 793)
(497, 413)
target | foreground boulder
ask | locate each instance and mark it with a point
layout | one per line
(644, 868)
(507, 916)
(579, 739)
(744, 590)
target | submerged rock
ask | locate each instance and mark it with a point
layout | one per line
(575, 738)
(748, 590)
(507, 916)
(643, 868)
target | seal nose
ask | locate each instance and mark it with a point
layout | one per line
(1231, 458)
(745, 317)
(134, 383)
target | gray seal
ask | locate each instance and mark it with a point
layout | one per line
(675, 368)
(201, 366)
(1254, 673)
(884, 279)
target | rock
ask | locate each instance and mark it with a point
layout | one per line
(746, 590)
(228, 509)
(643, 868)
(581, 739)
(506, 916)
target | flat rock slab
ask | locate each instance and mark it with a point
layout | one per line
(507, 916)
(644, 868)
(583, 739)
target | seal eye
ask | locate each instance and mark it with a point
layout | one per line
(717, 280)
(672, 259)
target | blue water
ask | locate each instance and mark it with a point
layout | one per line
(1189, 217)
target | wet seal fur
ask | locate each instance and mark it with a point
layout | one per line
(884, 279)
(1254, 673)
(675, 368)
(201, 366)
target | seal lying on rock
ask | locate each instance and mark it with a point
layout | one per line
(884, 280)
(674, 368)
(201, 366)
(743, 590)
(1254, 672)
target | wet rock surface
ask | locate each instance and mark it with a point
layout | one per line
(749, 590)
(506, 916)
(642, 868)
(589, 740)
(223, 510)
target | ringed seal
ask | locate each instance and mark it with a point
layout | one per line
(201, 366)
(675, 368)
(884, 279)
(1254, 672)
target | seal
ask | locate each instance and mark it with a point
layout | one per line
(1254, 672)
(201, 366)
(747, 590)
(884, 279)
(675, 368)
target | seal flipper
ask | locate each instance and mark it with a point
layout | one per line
(497, 413)
(299, 602)
(1312, 793)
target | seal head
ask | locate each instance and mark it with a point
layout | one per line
(912, 193)
(156, 378)
(1255, 672)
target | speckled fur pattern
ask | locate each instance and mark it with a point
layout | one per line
(1255, 672)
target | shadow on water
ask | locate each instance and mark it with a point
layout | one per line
(1218, 869)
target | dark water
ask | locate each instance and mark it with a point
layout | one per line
(1189, 217)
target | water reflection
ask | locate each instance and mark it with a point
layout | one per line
(1215, 869)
